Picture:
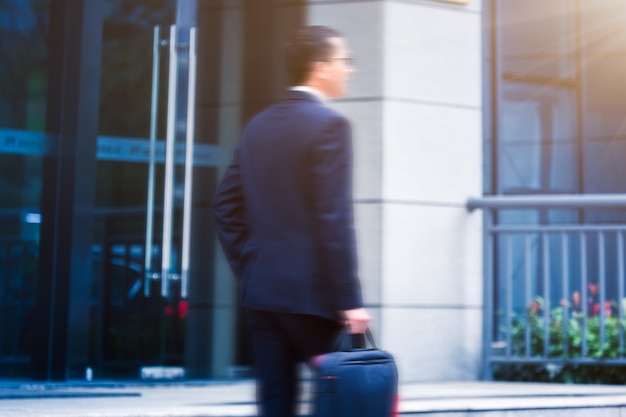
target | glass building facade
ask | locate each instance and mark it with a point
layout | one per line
(24, 144)
(107, 255)
(555, 124)
(558, 115)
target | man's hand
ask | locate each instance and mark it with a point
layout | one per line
(357, 319)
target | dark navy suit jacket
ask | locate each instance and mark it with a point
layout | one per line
(283, 211)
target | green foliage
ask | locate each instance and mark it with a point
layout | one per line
(572, 333)
(568, 373)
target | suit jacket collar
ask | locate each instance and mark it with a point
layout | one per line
(303, 95)
(313, 91)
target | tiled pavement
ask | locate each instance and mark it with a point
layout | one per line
(236, 398)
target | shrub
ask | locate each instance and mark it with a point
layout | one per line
(574, 332)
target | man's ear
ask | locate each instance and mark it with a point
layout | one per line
(319, 71)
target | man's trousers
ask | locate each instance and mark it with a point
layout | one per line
(282, 341)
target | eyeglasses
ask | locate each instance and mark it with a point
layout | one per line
(348, 61)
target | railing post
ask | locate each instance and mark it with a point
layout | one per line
(602, 288)
(545, 246)
(509, 294)
(583, 306)
(488, 295)
(620, 289)
(565, 283)
(527, 294)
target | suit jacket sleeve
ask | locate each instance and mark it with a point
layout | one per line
(332, 171)
(229, 214)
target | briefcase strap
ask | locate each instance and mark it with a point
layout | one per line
(356, 341)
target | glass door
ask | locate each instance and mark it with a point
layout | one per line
(145, 163)
(164, 302)
(24, 69)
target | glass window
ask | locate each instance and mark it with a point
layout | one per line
(603, 55)
(535, 38)
(538, 146)
(559, 113)
(23, 87)
(561, 116)
(537, 97)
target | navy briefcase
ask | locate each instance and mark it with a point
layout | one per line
(356, 381)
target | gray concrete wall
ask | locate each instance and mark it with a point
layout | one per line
(416, 109)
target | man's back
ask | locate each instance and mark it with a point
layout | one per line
(275, 158)
(294, 166)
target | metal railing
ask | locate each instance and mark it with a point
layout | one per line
(553, 293)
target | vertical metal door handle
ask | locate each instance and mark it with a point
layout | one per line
(168, 200)
(154, 107)
(191, 116)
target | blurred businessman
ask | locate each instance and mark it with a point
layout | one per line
(283, 214)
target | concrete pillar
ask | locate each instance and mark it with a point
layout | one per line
(416, 108)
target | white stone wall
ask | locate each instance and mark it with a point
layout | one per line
(416, 109)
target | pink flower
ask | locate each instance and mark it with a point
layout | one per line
(576, 298)
(593, 288)
(595, 309)
(534, 307)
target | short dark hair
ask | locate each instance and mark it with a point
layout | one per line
(308, 45)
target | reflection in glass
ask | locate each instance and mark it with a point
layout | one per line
(604, 106)
(561, 65)
(539, 146)
(129, 330)
(24, 27)
(535, 38)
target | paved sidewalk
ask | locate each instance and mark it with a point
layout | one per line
(228, 399)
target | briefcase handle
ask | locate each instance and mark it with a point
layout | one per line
(347, 341)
